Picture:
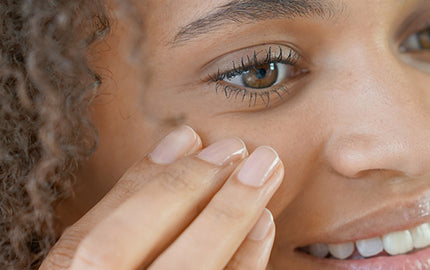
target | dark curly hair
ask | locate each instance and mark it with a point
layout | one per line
(46, 85)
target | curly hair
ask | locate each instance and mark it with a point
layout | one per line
(46, 85)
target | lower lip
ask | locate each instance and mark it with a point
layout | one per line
(419, 260)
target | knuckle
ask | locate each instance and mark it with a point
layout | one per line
(71, 235)
(125, 188)
(177, 179)
(54, 262)
(58, 259)
(90, 256)
(226, 210)
(61, 255)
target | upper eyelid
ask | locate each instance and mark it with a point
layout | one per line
(416, 22)
(224, 62)
(266, 55)
(253, 61)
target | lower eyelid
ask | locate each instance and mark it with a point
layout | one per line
(253, 97)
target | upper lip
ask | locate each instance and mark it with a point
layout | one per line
(399, 214)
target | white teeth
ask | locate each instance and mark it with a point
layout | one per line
(421, 236)
(394, 243)
(319, 250)
(369, 247)
(341, 251)
(398, 242)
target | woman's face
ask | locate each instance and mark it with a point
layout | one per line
(340, 88)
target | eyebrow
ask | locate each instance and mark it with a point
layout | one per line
(249, 11)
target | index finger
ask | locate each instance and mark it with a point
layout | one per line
(186, 142)
(148, 221)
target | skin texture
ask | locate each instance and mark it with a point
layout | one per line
(352, 133)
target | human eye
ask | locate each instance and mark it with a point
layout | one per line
(418, 41)
(256, 76)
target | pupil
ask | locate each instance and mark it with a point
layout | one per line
(260, 73)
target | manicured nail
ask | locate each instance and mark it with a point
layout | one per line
(175, 145)
(223, 152)
(259, 167)
(262, 227)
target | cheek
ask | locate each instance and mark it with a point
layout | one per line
(278, 131)
(296, 129)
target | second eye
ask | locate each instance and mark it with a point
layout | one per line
(263, 76)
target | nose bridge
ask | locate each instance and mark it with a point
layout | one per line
(383, 122)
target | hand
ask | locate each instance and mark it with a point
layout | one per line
(180, 208)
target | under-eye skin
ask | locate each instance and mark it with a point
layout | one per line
(259, 75)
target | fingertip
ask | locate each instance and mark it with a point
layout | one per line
(224, 152)
(197, 145)
(259, 167)
(180, 142)
(262, 228)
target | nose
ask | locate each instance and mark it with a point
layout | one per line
(382, 122)
(358, 152)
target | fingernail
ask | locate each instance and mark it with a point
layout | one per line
(259, 167)
(175, 145)
(223, 152)
(262, 227)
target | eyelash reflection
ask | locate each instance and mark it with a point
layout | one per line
(247, 64)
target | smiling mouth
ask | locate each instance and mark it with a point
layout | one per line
(390, 244)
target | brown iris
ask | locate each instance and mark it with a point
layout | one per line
(424, 39)
(261, 76)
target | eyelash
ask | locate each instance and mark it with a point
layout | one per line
(247, 65)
